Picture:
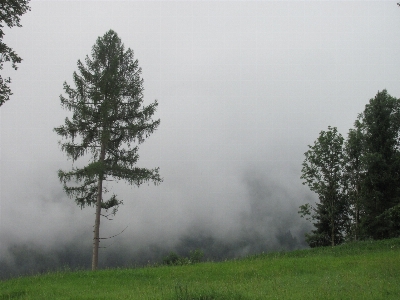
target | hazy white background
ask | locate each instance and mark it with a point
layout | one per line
(243, 88)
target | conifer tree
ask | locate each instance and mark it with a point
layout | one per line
(109, 121)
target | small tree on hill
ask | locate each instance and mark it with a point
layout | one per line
(323, 172)
(108, 119)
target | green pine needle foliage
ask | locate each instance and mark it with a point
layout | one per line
(108, 122)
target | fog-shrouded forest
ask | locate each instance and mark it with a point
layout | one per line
(269, 223)
(242, 88)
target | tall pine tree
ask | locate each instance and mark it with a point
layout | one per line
(109, 121)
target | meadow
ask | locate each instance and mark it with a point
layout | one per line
(357, 270)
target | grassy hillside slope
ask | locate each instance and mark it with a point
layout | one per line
(363, 270)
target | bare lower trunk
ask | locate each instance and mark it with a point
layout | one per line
(96, 231)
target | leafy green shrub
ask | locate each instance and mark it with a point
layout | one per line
(173, 259)
(196, 256)
(391, 218)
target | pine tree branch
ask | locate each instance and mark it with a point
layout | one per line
(106, 216)
(113, 235)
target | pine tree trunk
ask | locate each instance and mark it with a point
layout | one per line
(96, 231)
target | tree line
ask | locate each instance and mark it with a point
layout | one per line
(357, 179)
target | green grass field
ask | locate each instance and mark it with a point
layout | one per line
(363, 270)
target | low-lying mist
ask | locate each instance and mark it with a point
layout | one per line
(266, 220)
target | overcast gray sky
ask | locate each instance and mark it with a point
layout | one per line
(243, 88)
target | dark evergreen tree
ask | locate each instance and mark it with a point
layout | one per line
(380, 123)
(323, 172)
(109, 121)
(10, 13)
